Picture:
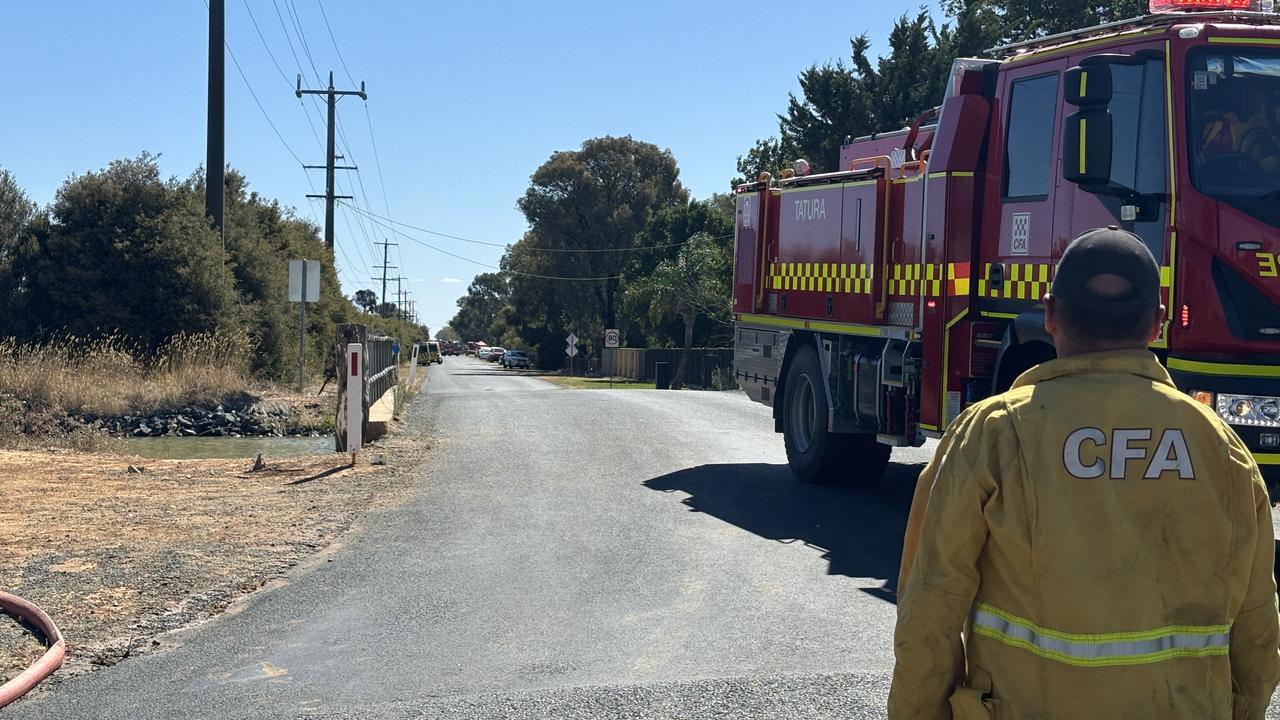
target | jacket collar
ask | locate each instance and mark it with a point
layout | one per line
(1133, 362)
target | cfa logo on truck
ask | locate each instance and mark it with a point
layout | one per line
(1088, 445)
(814, 209)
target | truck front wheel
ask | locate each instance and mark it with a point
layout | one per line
(815, 454)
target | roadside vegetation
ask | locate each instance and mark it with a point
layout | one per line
(120, 300)
(110, 376)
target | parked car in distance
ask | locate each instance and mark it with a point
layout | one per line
(483, 353)
(496, 353)
(433, 353)
(515, 359)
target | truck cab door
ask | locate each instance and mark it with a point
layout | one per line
(1014, 271)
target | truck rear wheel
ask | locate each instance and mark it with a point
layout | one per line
(815, 454)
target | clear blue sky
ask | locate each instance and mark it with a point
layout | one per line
(466, 100)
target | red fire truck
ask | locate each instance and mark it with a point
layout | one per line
(874, 303)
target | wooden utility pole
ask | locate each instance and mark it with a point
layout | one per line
(385, 268)
(400, 296)
(215, 155)
(329, 167)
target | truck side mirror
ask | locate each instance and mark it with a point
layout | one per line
(1086, 149)
(1088, 85)
(1108, 147)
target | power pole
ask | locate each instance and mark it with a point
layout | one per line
(329, 166)
(399, 296)
(385, 267)
(215, 155)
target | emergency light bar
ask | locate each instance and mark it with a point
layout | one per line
(1165, 6)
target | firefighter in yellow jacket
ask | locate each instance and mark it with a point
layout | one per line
(1093, 543)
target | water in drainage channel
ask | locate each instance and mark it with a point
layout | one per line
(191, 448)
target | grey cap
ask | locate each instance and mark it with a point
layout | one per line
(1112, 251)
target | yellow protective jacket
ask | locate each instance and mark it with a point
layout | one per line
(1104, 545)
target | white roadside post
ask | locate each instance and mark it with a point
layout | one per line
(355, 398)
(413, 364)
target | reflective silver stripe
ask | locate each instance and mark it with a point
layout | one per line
(1123, 648)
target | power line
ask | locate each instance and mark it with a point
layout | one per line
(539, 249)
(263, 38)
(348, 259)
(368, 120)
(258, 102)
(361, 221)
(334, 40)
(442, 251)
(302, 37)
(296, 21)
(288, 38)
(266, 116)
(377, 163)
(301, 104)
(360, 249)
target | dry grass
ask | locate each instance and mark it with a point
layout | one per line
(110, 376)
(116, 558)
(580, 382)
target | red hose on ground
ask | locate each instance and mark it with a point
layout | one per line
(50, 661)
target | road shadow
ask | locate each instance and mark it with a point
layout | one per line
(858, 531)
(480, 373)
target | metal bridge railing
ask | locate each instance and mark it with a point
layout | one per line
(380, 366)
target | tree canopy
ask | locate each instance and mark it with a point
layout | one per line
(841, 100)
(585, 209)
(123, 251)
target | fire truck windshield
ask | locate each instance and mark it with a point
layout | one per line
(1234, 128)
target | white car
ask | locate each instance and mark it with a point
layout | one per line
(483, 353)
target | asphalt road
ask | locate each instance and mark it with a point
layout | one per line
(566, 554)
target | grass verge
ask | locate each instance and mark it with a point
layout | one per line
(578, 382)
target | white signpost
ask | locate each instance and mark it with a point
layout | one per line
(304, 287)
(355, 398)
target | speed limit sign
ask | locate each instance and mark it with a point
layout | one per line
(611, 338)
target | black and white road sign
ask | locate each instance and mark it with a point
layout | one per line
(611, 338)
(572, 348)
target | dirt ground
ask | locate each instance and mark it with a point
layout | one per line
(118, 557)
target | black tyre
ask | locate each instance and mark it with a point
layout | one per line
(864, 460)
(816, 455)
(804, 419)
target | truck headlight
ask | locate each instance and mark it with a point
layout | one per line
(1253, 410)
